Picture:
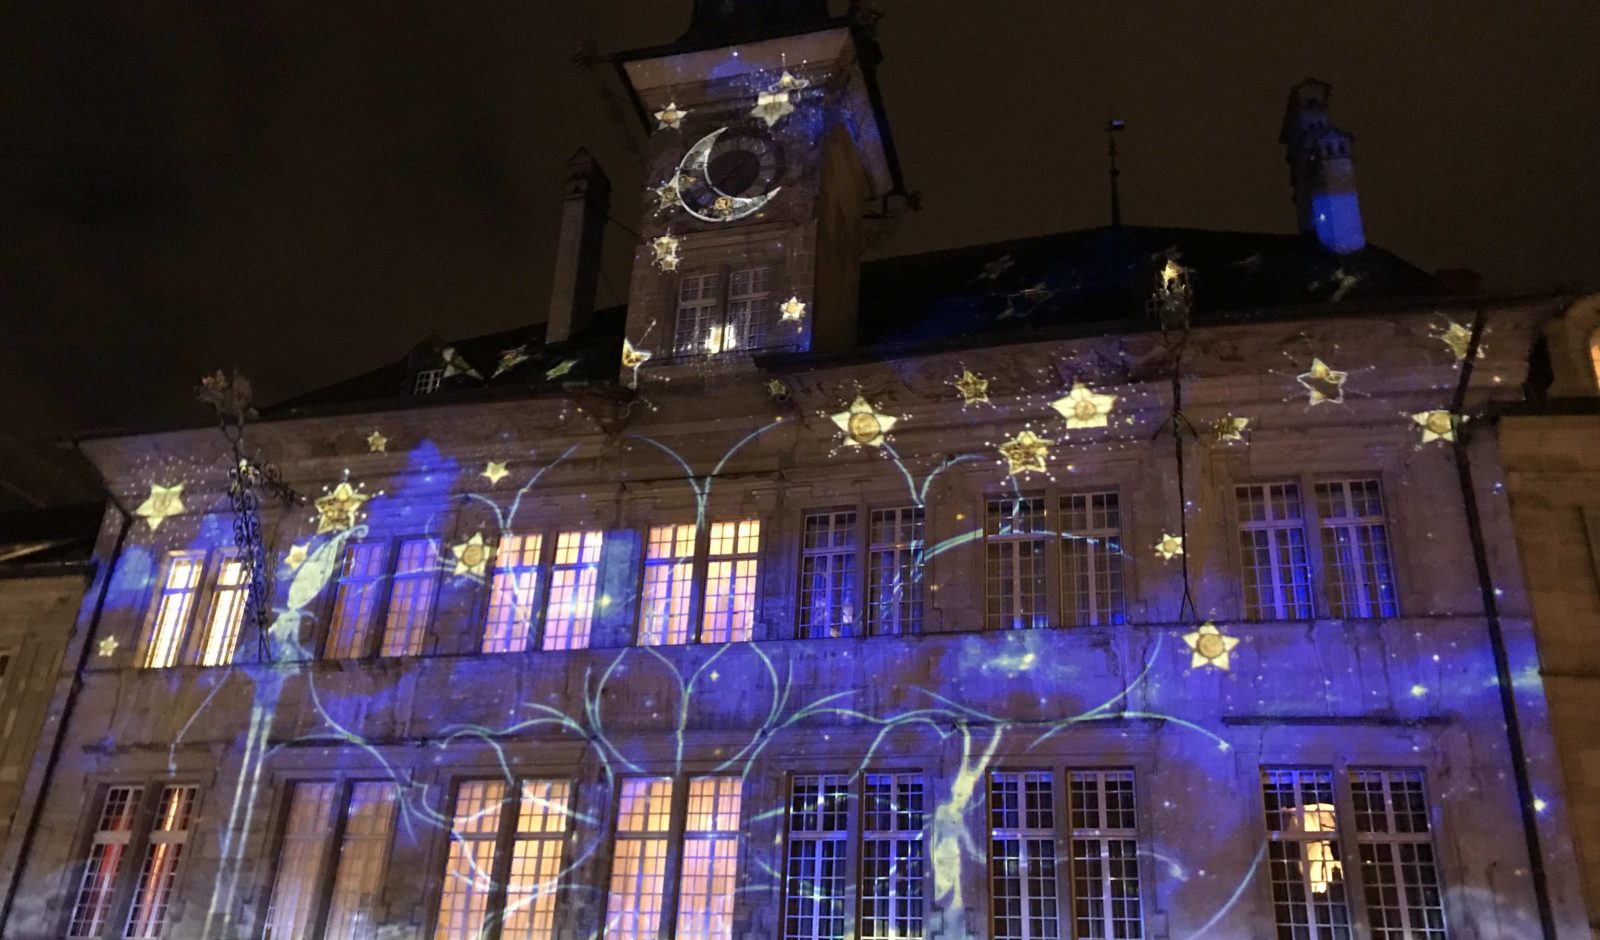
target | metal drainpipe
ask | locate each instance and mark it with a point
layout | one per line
(59, 740)
(1497, 644)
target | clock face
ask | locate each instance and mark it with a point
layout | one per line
(730, 174)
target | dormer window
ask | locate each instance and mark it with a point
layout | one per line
(427, 381)
(711, 321)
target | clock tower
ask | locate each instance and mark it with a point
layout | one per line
(768, 147)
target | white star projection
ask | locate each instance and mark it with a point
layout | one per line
(1084, 408)
(296, 556)
(1323, 383)
(510, 359)
(455, 365)
(472, 556)
(337, 510)
(863, 425)
(792, 310)
(1458, 339)
(107, 647)
(1436, 425)
(377, 443)
(973, 388)
(633, 358)
(664, 252)
(1170, 546)
(670, 116)
(495, 471)
(1209, 646)
(772, 106)
(1025, 453)
(163, 501)
(1229, 428)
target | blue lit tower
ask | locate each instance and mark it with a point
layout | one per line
(1321, 170)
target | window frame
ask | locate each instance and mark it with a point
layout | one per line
(720, 308)
(190, 646)
(1055, 496)
(375, 629)
(146, 808)
(700, 569)
(1324, 575)
(862, 550)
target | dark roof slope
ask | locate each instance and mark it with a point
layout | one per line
(36, 540)
(1085, 277)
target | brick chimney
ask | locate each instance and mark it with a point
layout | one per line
(577, 273)
(1321, 170)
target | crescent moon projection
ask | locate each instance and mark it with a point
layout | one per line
(694, 168)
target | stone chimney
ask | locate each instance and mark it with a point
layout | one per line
(1321, 170)
(583, 223)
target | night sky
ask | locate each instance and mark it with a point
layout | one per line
(306, 190)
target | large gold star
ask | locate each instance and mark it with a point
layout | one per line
(792, 310)
(496, 471)
(1323, 383)
(162, 502)
(296, 556)
(1170, 546)
(472, 556)
(337, 510)
(863, 425)
(1209, 647)
(974, 388)
(1084, 408)
(670, 116)
(1025, 453)
(377, 443)
(1437, 425)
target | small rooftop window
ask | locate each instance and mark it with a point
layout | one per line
(427, 381)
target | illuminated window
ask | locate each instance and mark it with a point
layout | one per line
(427, 381)
(1105, 855)
(1594, 356)
(530, 906)
(827, 575)
(1022, 855)
(816, 871)
(97, 888)
(710, 859)
(1272, 543)
(892, 861)
(482, 839)
(697, 311)
(356, 599)
(749, 309)
(730, 599)
(1355, 549)
(1014, 563)
(666, 615)
(469, 870)
(894, 571)
(411, 598)
(173, 607)
(638, 867)
(1398, 871)
(574, 579)
(301, 858)
(1091, 559)
(229, 597)
(168, 835)
(1303, 860)
(363, 856)
(513, 594)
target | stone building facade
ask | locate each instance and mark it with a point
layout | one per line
(1121, 583)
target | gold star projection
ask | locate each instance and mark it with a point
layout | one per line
(1170, 546)
(1084, 408)
(337, 511)
(863, 424)
(792, 310)
(472, 556)
(510, 359)
(664, 252)
(162, 503)
(1323, 383)
(973, 388)
(1025, 453)
(296, 556)
(777, 102)
(1209, 646)
(632, 358)
(1458, 339)
(1229, 428)
(377, 443)
(670, 117)
(1437, 425)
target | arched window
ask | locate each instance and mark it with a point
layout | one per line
(1594, 355)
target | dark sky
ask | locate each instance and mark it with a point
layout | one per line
(305, 190)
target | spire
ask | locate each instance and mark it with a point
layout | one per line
(737, 19)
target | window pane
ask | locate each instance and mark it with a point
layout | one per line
(110, 843)
(638, 869)
(668, 585)
(363, 855)
(469, 868)
(300, 862)
(1355, 549)
(1014, 563)
(173, 606)
(1303, 860)
(536, 861)
(892, 857)
(513, 594)
(411, 598)
(730, 603)
(749, 309)
(356, 600)
(1277, 570)
(1405, 899)
(1091, 559)
(1105, 856)
(574, 578)
(827, 575)
(168, 835)
(710, 859)
(229, 598)
(697, 307)
(815, 873)
(894, 571)
(1022, 855)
